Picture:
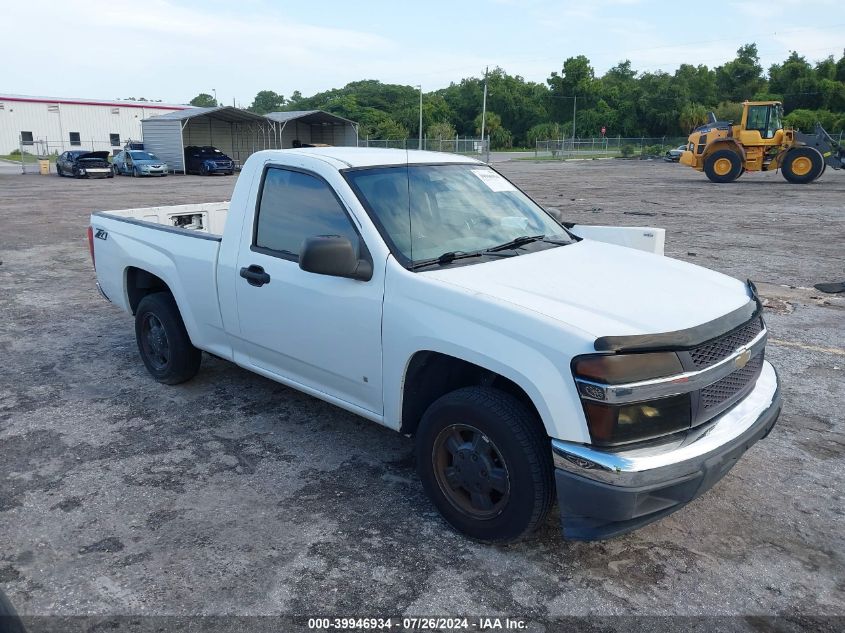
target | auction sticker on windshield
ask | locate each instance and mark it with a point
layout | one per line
(493, 180)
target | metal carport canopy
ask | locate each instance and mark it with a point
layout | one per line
(261, 130)
(315, 118)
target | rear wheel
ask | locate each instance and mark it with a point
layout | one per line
(59, 171)
(723, 165)
(485, 462)
(802, 165)
(163, 341)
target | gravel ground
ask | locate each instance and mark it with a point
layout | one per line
(232, 494)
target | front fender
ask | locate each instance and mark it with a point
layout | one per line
(529, 349)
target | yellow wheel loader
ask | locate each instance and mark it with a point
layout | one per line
(725, 151)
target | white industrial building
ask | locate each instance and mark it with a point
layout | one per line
(48, 125)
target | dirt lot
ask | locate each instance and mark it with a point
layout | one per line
(233, 494)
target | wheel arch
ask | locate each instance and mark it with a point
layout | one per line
(430, 374)
(139, 283)
(724, 143)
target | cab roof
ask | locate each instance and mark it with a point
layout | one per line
(373, 156)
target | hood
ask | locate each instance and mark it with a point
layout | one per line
(604, 290)
(94, 155)
(145, 161)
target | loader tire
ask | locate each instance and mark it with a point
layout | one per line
(802, 165)
(723, 166)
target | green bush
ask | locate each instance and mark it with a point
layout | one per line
(652, 150)
(627, 151)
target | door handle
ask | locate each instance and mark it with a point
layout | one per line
(255, 275)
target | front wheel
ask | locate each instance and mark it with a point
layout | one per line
(802, 165)
(723, 166)
(485, 462)
(163, 341)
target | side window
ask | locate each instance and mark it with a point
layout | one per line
(757, 118)
(295, 206)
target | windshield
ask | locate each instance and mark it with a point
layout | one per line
(775, 121)
(143, 156)
(424, 211)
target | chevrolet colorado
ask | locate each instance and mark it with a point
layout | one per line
(531, 360)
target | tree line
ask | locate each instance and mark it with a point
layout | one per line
(623, 101)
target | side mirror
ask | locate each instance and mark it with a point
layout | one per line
(335, 256)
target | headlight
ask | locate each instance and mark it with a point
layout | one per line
(618, 424)
(631, 421)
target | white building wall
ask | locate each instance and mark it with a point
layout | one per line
(52, 122)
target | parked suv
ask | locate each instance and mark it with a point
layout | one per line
(207, 160)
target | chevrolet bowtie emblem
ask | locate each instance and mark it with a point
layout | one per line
(742, 360)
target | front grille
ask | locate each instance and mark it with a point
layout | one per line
(725, 389)
(722, 347)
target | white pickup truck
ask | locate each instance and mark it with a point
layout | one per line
(427, 293)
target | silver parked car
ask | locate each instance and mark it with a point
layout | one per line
(137, 162)
(674, 155)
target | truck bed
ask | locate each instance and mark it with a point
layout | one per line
(206, 217)
(179, 244)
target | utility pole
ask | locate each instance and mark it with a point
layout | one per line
(484, 108)
(216, 103)
(574, 112)
(419, 144)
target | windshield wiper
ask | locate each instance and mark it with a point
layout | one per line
(516, 242)
(445, 258)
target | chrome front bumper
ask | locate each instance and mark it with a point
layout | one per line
(604, 492)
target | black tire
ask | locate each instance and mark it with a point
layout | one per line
(797, 160)
(135, 173)
(59, 171)
(713, 162)
(204, 171)
(486, 431)
(163, 341)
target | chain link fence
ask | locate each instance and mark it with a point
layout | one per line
(607, 147)
(31, 151)
(474, 147)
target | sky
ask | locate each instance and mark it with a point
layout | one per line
(172, 50)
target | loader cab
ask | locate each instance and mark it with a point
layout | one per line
(762, 123)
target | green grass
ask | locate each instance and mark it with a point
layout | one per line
(27, 158)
